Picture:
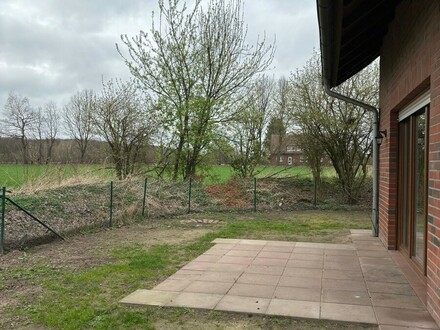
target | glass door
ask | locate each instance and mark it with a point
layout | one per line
(412, 216)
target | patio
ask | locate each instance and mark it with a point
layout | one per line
(360, 282)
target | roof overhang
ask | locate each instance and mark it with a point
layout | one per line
(351, 34)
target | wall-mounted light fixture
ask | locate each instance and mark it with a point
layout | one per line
(379, 137)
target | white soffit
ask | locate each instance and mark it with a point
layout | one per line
(415, 105)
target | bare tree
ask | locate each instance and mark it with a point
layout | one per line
(344, 131)
(194, 62)
(51, 126)
(78, 119)
(19, 121)
(249, 126)
(122, 119)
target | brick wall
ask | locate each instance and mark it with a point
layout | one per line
(410, 63)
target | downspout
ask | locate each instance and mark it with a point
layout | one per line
(375, 204)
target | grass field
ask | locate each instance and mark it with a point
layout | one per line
(17, 176)
(77, 284)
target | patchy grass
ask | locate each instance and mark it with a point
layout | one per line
(87, 297)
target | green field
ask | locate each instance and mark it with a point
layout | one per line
(17, 176)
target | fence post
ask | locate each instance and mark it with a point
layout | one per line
(189, 195)
(255, 194)
(111, 204)
(145, 196)
(2, 225)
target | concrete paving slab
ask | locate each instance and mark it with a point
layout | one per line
(386, 287)
(307, 250)
(274, 255)
(173, 285)
(235, 260)
(305, 263)
(252, 242)
(405, 317)
(243, 304)
(300, 282)
(195, 300)
(228, 277)
(348, 313)
(248, 247)
(344, 285)
(149, 297)
(294, 308)
(269, 262)
(339, 252)
(270, 270)
(346, 297)
(303, 294)
(307, 257)
(280, 243)
(208, 287)
(242, 253)
(303, 272)
(338, 274)
(252, 290)
(393, 300)
(276, 248)
(264, 279)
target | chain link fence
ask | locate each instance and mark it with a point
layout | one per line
(72, 209)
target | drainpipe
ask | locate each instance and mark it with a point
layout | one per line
(375, 229)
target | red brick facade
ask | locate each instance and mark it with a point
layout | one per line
(410, 63)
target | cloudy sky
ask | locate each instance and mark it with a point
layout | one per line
(49, 49)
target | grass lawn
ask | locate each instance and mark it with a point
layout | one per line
(77, 284)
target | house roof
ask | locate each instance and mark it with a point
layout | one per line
(351, 35)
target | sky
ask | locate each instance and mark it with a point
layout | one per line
(50, 49)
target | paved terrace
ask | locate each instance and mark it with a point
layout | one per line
(359, 282)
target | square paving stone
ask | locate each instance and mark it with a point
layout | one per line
(405, 317)
(337, 274)
(216, 251)
(274, 255)
(355, 266)
(307, 257)
(280, 243)
(271, 248)
(236, 260)
(270, 270)
(197, 265)
(348, 313)
(337, 252)
(173, 285)
(208, 287)
(242, 253)
(346, 297)
(396, 288)
(344, 285)
(183, 274)
(252, 290)
(223, 267)
(375, 254)
(195, 300)
(291, 293)
(247, 247)
(300, 282)
(305, 263)
(265, 279)
(227, 277)
(393, 300)
(207, 258)
(375, 261)
(149, 297)
(344, 259)
(269, 262)
(303, 272)
(294, 308)
(252, 242)
(243, 304)
(308, 251)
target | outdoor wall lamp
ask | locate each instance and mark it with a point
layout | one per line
(379, 137)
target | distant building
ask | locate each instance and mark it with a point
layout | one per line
(285, 151)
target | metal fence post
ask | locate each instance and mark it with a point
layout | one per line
(189, 195)
(2, 225)
(111, 204)
(145, 196)
(255, 194)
